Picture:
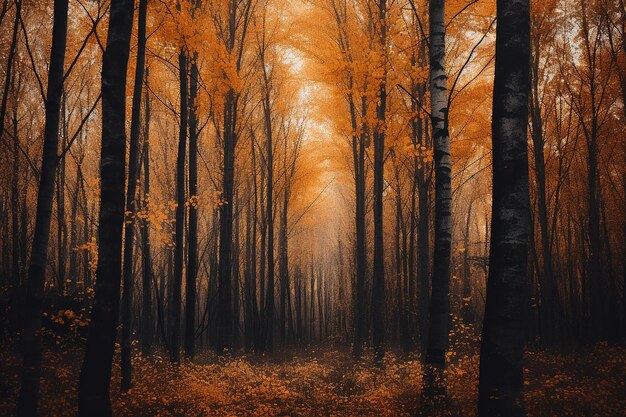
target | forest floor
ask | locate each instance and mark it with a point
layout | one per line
(323, 381)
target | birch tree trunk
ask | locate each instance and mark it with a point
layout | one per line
(440, 302)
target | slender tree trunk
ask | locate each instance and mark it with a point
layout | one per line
(378, 286)
(61, 225)
(31, 336)
(358, 149)
(502, 343)
(131, 204)
(225, 306)
(15, 198)
(236, 282)
(226, 226)
(549, 296)
(73, 267)
(95, 377)
(147, 326)
(284, 260)
(269, 207)
(192, 240)
(177, 281)
(467, 310)
(440, 301)
(423, 244)
(10, 58)
(248, 291)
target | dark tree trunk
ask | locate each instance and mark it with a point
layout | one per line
(147, 326)
(131, 205)
(358, 150)
(226, 227)
(549, 297)
(73, 267)
(192, 240)
(423, 244)
(283, 255)
(31, 336)
(229, 139)
(177, 278)
(10, 58)
(95, 377)
(378, 285)
(502, 344)
(467, 310)
(61, 225)
(15, 198)
(269, 203)
(248, 291)
(236, 282)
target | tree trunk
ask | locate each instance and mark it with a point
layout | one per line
(177, 278)
(467, 310)
(31, 336)
(378, 286)
(440, 300)
(502, 344)
(10, 58)
(147, 326)
(95, 377)
(131, 205)
(284, 259)
(61, 225)
(192, 240)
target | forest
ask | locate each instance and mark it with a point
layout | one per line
(313, 208)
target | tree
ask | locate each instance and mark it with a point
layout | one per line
(502, 343)
(131, 204)
(31, 337)
(177, 278)
(192, 238)
(378, 286)
(440, 302)
(147, 326)
(95, 376)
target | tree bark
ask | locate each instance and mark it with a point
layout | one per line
(177, 278)
(31, 336)
(95, 377)
(147, 326)
(378, 285)
(131, 204)
(10, 58)
(502, 344)
(440, 300)
(192, 239)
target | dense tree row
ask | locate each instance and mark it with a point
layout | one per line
(293, 172)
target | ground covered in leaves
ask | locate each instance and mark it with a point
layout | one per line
(323, 382)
